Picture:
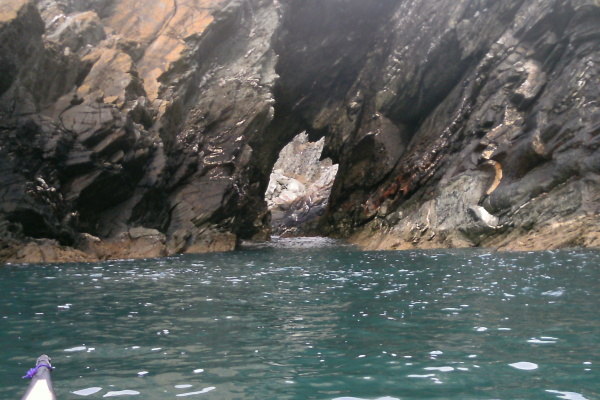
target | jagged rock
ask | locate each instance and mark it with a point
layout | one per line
(299, 187)
(534, 82)
(20, 39)
(115, 77)
(77, 30)
(513, 95)
(47, 251)
(162, 29)
(34, 74)
(119, 114)
(89, 122)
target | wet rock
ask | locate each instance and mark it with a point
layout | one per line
(47, 251)
(442, 116)
(215, 242)
(493, 118)
(136, 243)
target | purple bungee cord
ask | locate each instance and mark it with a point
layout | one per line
(31, 373)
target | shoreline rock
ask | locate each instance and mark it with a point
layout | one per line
(137, 243)
(576, 234)
(573, 235)
(454, 123)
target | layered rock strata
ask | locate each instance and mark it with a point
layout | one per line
(118, 116)
(147, 128)
(456, 124)
(501, 118)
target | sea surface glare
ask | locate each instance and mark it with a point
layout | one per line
(309, 319)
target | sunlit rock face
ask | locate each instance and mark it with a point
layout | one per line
(454, 123)
(121, 115)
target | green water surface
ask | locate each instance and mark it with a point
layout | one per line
(309, 319)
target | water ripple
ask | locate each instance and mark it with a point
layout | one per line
(324, 322)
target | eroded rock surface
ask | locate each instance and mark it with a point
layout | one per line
(299, 188)
(146, 128)
(516, 136)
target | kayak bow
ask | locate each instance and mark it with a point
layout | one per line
(40, 387)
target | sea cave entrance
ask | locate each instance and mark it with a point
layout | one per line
(299, 188)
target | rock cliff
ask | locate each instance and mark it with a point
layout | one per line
(141, 128)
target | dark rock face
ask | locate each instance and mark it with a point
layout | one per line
(146, 128)
(507, 137)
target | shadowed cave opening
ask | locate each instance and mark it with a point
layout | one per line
(299, 188)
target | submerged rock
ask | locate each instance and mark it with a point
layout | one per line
(454, 123)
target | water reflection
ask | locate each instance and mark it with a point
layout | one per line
(310, 323)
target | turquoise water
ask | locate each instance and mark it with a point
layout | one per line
(309, 319)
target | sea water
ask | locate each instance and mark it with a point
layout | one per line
(309, 319)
